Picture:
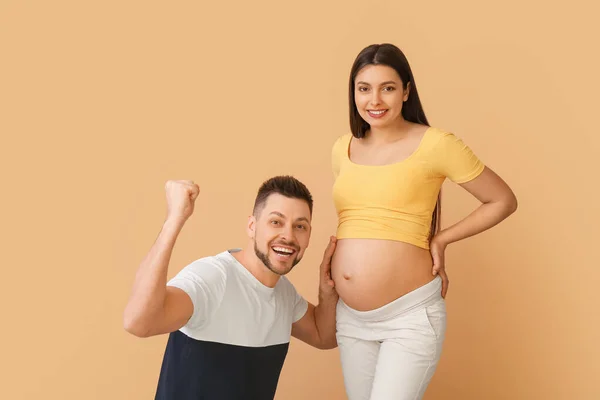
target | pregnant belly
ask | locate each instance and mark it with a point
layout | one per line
(370, 273)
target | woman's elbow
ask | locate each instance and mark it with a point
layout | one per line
(512, 204)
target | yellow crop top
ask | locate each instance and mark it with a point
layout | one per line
(396, 201)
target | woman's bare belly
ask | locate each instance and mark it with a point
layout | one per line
(369, 273)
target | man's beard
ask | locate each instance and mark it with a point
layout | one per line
(265, 260)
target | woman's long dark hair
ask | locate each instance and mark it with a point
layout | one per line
(412, 110)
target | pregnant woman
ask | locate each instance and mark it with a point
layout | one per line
(388, 266)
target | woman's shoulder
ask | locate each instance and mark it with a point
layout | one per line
(341, 142)
(438, 136)
(343, 138)
(435, 132)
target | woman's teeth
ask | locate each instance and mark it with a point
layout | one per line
(376, 113)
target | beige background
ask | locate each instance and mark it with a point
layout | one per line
(102, 102)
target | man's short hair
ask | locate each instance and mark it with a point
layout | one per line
(284, 185)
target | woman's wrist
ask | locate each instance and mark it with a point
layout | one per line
(441, 239)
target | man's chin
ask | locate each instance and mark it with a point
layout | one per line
(282, 267)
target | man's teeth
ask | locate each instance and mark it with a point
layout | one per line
(283, 250)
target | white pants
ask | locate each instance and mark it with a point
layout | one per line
(392, 352)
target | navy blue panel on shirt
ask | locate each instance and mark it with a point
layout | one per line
(202, 370)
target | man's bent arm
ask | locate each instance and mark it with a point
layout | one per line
(317, 326)
(154, 308)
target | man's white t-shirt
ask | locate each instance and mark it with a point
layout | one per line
(236, 341)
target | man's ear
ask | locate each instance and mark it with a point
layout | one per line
(251, 228)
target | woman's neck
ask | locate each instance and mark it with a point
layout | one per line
(390, 133)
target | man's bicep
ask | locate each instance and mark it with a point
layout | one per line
(177, 310)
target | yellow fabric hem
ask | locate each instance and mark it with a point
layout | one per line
(392, 236)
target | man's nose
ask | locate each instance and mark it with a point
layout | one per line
(288, 234)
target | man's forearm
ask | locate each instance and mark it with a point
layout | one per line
(325, 320)
(149, 289)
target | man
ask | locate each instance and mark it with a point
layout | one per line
(230, 316)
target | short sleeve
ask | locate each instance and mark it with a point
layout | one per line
(453, 159)
(298, 304)
(204, 281)
(337, 152)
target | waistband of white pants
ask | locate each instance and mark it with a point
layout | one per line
(423, 296)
